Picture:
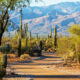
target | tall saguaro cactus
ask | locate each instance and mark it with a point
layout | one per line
(30, 36)
(26, 30)
(51, 33)
(55, 38)
(47, 36)
(19, 47)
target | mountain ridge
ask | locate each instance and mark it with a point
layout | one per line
(41, 19)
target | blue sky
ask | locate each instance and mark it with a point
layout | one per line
(49, 2)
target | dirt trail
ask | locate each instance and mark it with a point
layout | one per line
(40, 68)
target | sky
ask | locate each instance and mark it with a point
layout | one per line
(50, 2)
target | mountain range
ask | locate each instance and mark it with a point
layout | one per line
(41, 19)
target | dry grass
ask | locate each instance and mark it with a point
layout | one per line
(14, 58)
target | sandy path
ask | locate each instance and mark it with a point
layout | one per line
(40, 68)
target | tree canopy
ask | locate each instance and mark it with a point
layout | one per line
(5, 6)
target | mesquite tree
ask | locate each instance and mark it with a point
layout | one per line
(5, 7)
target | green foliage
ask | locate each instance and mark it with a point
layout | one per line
(75, 30)
(30, 36)
(51, 33)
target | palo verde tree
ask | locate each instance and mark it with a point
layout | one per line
(5, 7)
(75, 32)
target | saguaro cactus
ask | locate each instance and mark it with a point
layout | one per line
(19, 48)
(26, 30)
(51, 33)
(55, 38)
(30, 36)
(47, 36)
(20, 37)
(40, 45)
(37, 36)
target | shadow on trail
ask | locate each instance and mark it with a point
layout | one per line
(44, 57)
(43, 76)
(31, 62)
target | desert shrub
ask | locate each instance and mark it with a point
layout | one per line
(66, 48)
(25, 56)
(47, 43)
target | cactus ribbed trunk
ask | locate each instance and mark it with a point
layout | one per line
(55, 38)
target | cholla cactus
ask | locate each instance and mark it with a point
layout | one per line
(55, 38)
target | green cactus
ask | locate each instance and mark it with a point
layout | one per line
(19, 48)
(20, 37)
(55, 38)
(51, 33)
(48, 37)
(40, 45)
(26, 30)
(37, 36)
(30, 36)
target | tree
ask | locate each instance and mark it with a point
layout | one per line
(75, 31)
(5, 6)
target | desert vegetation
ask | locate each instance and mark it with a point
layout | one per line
(23, 44)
